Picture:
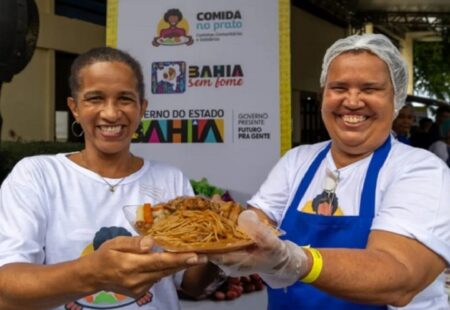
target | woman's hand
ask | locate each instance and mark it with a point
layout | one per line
(128, 266)
(279, 263)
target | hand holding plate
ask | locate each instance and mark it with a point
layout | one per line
(280, 263)
(130, 266)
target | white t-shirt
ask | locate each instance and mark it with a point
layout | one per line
(51, 209)
(440, 148)
(412, 199)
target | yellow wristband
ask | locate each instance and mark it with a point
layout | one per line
(316, 268)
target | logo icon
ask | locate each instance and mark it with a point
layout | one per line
(209, 130)
(172, 30)
(168, 77)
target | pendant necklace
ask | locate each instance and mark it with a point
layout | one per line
(112, 187)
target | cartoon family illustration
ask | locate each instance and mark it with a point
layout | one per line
(173, 30)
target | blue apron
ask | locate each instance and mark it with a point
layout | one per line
(328, 232)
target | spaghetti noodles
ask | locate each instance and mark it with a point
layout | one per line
(197, 222)
(196, 228)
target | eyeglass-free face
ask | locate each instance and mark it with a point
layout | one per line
(358, 105)
(108, 106)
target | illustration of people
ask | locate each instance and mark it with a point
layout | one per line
(105, 299)
(175, 34)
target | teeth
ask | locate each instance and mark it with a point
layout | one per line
(111, 129)
(354, 119)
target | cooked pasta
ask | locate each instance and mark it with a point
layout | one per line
(196, 228)
(198, 222)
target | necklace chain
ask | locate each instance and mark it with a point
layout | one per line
(112, 187)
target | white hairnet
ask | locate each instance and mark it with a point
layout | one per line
(382, 47)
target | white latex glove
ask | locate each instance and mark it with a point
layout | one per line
(280, 263)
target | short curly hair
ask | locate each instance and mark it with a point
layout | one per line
(173, 12)
(105, 54)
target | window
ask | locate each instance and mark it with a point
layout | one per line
(93, 11)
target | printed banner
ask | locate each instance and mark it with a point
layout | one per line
(212, 73)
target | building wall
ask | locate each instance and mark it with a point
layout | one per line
(311, 36)
(27, 102)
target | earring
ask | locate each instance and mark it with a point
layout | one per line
(74, 132)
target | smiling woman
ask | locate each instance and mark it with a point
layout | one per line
(357, 104)
(108, 107)
(374, 212)
(54, 208)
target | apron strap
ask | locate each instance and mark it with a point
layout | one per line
(368, 194)
(304, 184)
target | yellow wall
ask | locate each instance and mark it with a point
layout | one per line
(27, 102)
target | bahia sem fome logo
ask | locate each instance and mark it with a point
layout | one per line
(172, 30)
(172, 77)
(168, 77)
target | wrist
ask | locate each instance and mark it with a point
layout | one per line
(85, 275)
(316, 263)
(308, 263)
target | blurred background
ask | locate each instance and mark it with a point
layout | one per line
(40, 38)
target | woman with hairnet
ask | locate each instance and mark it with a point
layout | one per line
(387, 242)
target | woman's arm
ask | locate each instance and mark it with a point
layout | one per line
(123, 265)
(391, 270)
(32, 286)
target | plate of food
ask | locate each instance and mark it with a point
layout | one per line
(191, 224)
(172, 40)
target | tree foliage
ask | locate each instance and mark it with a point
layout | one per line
(432, 68)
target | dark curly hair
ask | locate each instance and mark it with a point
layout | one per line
(173, 12)
(324, 197)
(105, 54)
